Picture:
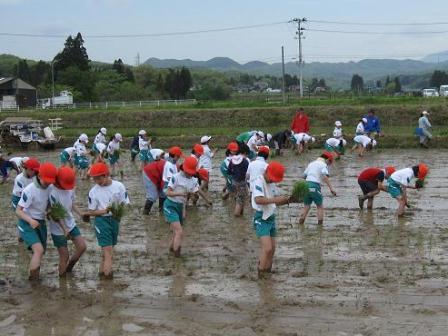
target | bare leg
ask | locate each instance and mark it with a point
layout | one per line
(108, 258)
(63, 259)
(80, 245)
(178, 234)
(265, 253)
(304, 213)
(401, 206)
(320, 214)
(38, 252)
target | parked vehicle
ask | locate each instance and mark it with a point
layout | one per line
(26, 131)
(65, 99)
(443, 91)
(430, 93)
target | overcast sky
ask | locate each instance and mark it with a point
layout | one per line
(106, 17)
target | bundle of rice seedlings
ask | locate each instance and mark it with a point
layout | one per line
(117, 210)
(299, 191)
(86, 218)
(419, 184)
(57, 212)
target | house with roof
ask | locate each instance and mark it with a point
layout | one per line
(16, 91)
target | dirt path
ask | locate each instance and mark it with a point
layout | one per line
(360, 274)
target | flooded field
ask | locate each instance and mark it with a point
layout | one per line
(362, 273)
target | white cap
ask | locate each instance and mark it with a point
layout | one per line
(338, 123)
(142, 132)
(155, 153)
(84, 138)
(25, 158)
(364, 120)
(260, 134)
(269, 136)
(425, 112)
(373, 143)
(205, 139)
(103, 130)
(118, 137)
(344, 142)
(166, 156)
(313, 139)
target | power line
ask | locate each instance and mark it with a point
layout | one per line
(378, 33)
(379, 24)
(179, 33)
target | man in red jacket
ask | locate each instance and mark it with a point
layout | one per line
(153, 182)
(300, 123)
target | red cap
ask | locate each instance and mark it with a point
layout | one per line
(275, 171)
(263, 149)
(48, 172)
(176, 151)
(233, 147)
(190, 165)
(32, 164)
(422, 171)
(203, 174)
(198, 149)
(390, 170)
(66, 178)
(328, 156)
(99, 169)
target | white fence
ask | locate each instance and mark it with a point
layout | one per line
(128, 104)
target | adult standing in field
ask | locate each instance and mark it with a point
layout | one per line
(372, 126)
(424, 129)
(300, 123)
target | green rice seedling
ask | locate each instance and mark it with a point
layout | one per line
(57, 212)
(299, 191)
(419, 184)
(117, 210)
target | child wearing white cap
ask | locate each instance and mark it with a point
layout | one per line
(205, 160)
(144, 145)
(100, 138)
(337, 132)
(81, 159)
(301, 142)
(360, 128)
(113, 149)
(363, 143)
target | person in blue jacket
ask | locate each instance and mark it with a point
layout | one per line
(373, 125)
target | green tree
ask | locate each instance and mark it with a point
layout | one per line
(144, 75)
(185, 82)
(357, 83)
(23, 71)
(397, 84)
(82, 81)
(438, 78)
(40, 73)
(73, 54)
(160, 85)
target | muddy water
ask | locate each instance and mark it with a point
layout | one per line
(360, 274)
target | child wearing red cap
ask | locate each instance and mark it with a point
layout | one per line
(180, 186)
(237, 171)
(31, 168)
(62, 192)
(371, 183)
(32, 210)
(102, 196)
(170, 168)
(264, 201)
(316, 174)
(232, 150)
(400, 181)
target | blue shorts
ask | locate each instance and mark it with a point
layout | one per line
(82, 162)
(264, 227)
(32, 236)
(64, 157)
(394, 188)
(61, 240)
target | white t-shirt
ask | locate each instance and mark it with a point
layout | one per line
(67, 199)
(360, 128)
(255, 170)
(169, 170)
(143, 144)
(181, 183)
(205, 161)
(34, 200)
(70, 151)
(302, 137)
(99, 138)
(403, 176)
(100, 198)
(101, 147)
(21, 182)
(364, 140)
(258, 191)
(80, 148)
(337, 132)
(113, 146)
(316, 170)
(254, 142)
(333, 142)
(18, 161)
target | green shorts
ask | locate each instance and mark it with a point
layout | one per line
(82, 162)
(113, 158)
(143, 156)
(329, 148)
(14, 201)
(106, 230)
(264, 227)
(61, 240)
(64, 157)
(32, 236)
(394, 188)
(314, 195)
(173, 211)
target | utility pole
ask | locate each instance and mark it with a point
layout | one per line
(283, 77)
(299, 34)
(137, 60)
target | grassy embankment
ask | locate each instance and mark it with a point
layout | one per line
(224, 120)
